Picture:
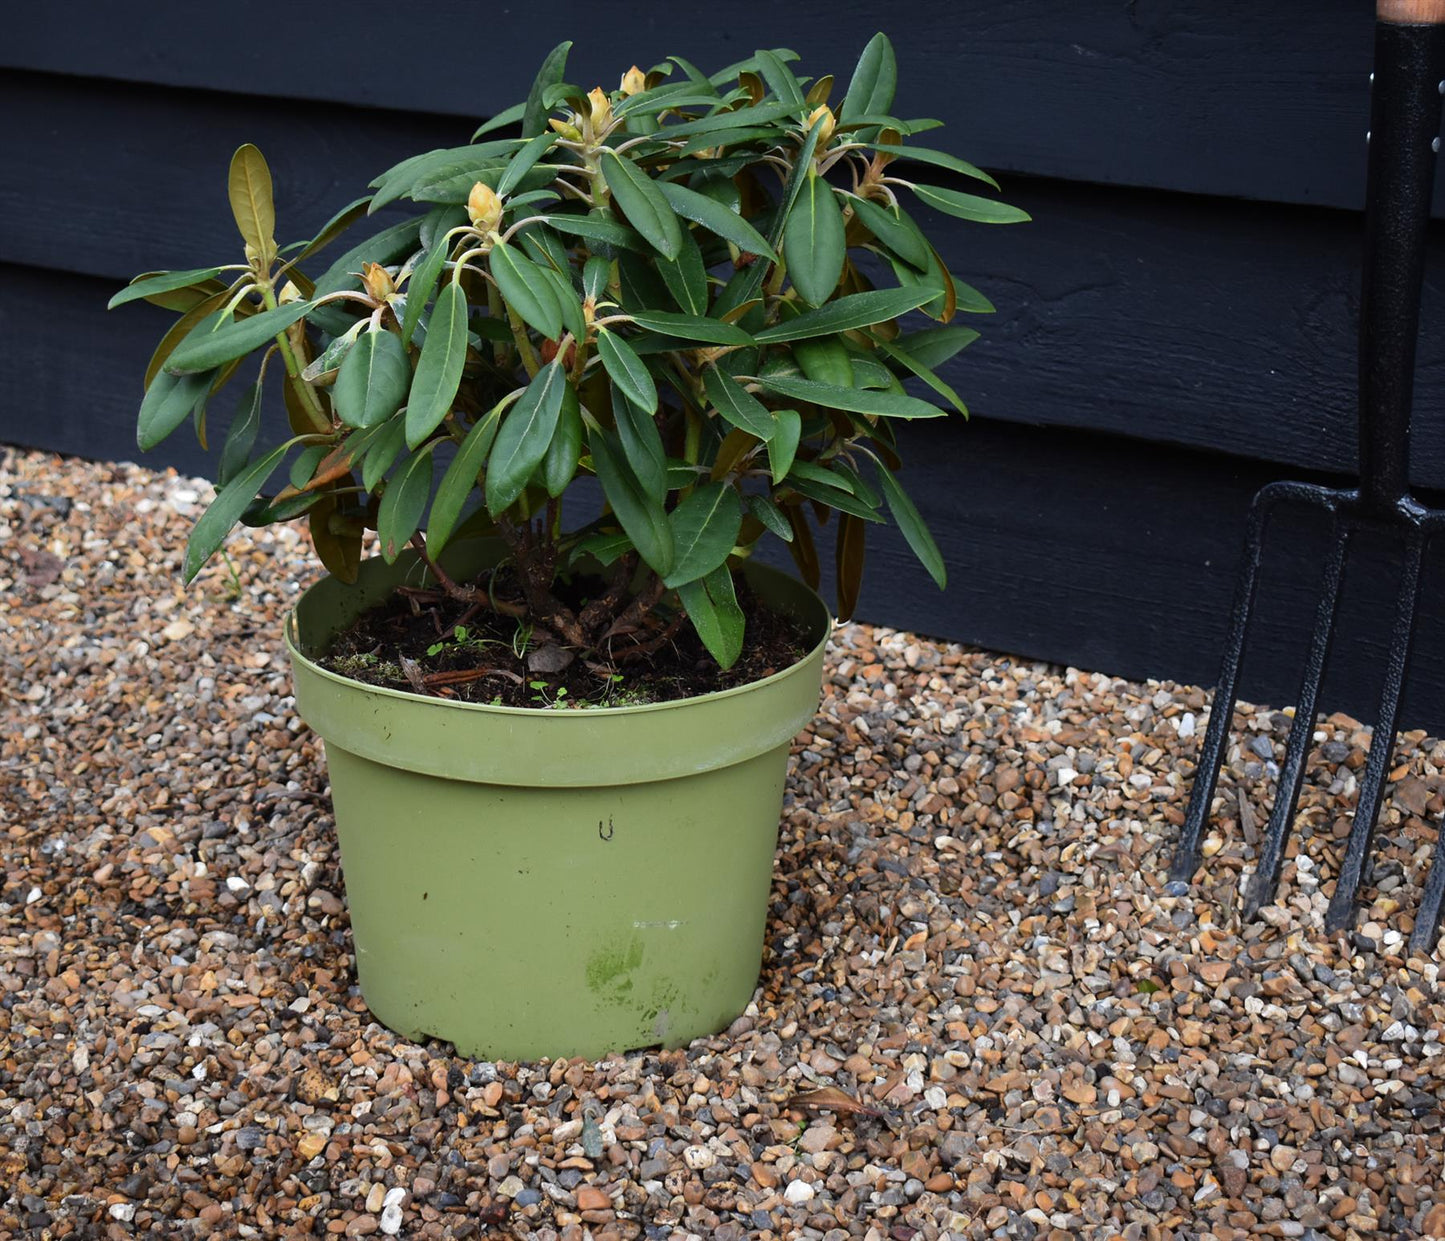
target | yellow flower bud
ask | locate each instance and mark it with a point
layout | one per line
(566, 129)
(634, 81)
(601, 115)
(484, 207)
(378, 283)
(825, 113)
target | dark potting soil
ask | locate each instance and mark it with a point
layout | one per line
(428, 643)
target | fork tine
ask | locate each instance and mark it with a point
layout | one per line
(1341, 912)
(1221, 709)
(1427, 921)
(1265, 880)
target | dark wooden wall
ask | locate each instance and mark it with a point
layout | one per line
(1176, 327)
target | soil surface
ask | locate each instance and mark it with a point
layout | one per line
(427, 643)
(970, 931)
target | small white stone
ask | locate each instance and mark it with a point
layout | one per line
(33, 895)
(237, 884)
(123, 1211)
(300, 1004)
(395, 1196)
(1067, 775)
(936, 1097)
(1186, 724)
(391, 1220)
(797, 1193)
(698, 1157)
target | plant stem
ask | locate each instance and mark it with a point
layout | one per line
(304, 390)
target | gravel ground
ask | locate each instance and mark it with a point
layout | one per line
(968, 932)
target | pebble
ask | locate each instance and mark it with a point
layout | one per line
(971, 931)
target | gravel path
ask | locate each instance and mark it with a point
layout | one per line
(968, 932)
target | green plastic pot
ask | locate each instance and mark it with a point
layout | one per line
(529, 883)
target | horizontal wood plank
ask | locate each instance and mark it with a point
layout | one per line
(1079, 548)
(1201, 322)
(1225, 97)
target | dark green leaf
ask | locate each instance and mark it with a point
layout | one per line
(855, 310)
(813, 243)
(534, 114)
(686, 276)
(225, 511)
(526, 290)
(770, 515)
(832, 497)
(168, 403)
(704, 530)
(596, 275)
(911, 523)
(939, 159)
(306, 462)
(241, 438)
(605, 547)
(643, 204)
(739, 406)
(874, 80)
(642, 444)
(524, 436)
(712, 607)
(404, 503)
(373, 380)
(507, 116)
(763, 114)
(783, 444)
(780, 79)
(935, 345)
(383, 451)
(969, 206)
(460, 480)
(565, 450)
(826, 361)
(161, 282)
(691, 327)
(923, 372)
(524, 160)
(421, 284)
(599, 228)
(716, 218)
(206, 349)
(642, 518)
(882, 404)
(627, 371)
(895, 230)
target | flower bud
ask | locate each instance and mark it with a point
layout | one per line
(566, 129)
(484, 207)
(601, 115)
(634, 82)
(825, 113)
(377, 281)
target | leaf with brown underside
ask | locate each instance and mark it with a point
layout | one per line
(831, 1099)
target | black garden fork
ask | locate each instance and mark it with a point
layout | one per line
(1408, 82)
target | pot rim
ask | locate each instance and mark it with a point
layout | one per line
(293, 649)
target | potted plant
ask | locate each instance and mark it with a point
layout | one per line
(672, 312)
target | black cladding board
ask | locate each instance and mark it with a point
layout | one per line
(1203, 322)
(1227, 97)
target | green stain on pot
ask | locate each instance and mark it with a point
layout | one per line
(608, 968)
